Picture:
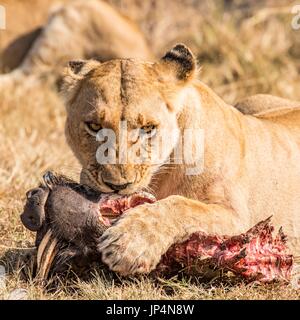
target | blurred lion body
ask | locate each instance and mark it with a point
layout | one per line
(95, 29)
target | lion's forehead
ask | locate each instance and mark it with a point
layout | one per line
(123, 90)
(124, 79)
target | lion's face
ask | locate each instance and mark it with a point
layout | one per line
(118, 117)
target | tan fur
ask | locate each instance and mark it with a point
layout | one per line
(97, 29)
(251, 163)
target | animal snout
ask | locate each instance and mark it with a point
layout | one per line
(33, 215)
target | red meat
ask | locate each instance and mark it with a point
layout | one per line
(255, 254)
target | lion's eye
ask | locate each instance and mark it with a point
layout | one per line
(93, 127)
(149, 130)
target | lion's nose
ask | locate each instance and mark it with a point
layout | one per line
(117, 187)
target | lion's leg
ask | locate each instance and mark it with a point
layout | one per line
(139, 239)
(82, 29)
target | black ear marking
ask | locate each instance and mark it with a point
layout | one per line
(76, 65)
(184, 60)
(82, 67)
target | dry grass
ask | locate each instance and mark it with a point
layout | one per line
(101, 288)
(240, 55)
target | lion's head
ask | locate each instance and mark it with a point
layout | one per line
(145, 97)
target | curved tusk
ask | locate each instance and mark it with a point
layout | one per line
(42, 247)
(45, 255)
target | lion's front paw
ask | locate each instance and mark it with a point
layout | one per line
(135, 243)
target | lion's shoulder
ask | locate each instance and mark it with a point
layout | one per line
(272, 108)
(266, 105)
(278, 112)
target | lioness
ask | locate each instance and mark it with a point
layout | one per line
(251, 163)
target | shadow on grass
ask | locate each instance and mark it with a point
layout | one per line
(23, 264)
(20, 260)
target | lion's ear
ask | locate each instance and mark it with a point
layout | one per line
(73, 73)
(82, 67)
(179, 63)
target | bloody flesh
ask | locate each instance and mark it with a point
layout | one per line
(255, 254)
